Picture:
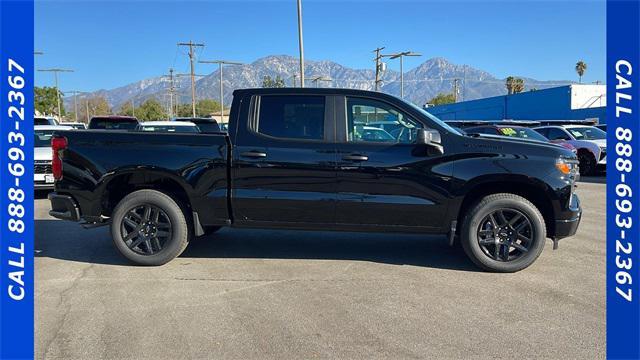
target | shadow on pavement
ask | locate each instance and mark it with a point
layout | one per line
(69, 241)
(601, 179)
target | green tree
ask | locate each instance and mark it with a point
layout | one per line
(581, 68)
(442, 99)
(268, 82)
(206, 107)
(514, 85)
(151, 110)
(126, 109)
(45, 100)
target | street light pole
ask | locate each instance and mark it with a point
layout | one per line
(401, 55)
(300, 43)
(220, 66)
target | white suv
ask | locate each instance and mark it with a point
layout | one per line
(590, 141)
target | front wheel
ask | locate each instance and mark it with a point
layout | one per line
(503, 233)
(587, 164)
(149, 228)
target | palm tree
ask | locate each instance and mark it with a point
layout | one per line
(581, 67)
(509, 85)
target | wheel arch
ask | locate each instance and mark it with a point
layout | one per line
(122, 183)
(534, 191)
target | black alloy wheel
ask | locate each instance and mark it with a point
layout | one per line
(505, 234)
(145, 229)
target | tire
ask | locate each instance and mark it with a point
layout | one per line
(160, 238)
(587, 163)
(507, 254)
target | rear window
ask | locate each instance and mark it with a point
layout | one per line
(42, 138)
(41, 121)
(208, 127)
(292, 117)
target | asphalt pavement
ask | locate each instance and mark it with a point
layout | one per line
(258, 294)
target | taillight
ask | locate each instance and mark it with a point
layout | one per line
(57, 145)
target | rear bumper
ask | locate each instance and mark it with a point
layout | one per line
(568, 227)
(64, 207)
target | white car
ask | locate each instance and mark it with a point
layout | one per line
(168, 126)
(42, 174)
(590, 141)
(44, 120)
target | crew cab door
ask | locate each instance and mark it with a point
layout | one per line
(284, 161)
(384, 178)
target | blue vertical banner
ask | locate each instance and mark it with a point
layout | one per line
(16, 180)
(623, 182)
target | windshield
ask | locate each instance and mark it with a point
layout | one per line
(42, 138)
(587, 133)
(170, 128)
(523, 133)
(448, 127)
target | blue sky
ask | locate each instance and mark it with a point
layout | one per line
(113, 43)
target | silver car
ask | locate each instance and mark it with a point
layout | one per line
(42, 174)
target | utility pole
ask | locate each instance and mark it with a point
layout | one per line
(319, 78)
(87, 104)
(401, 55)
(75, 102)
(455, 90)
(171, 91)
(193, 90)
(300, 43)
(378, 66)
(220, 66)
(191, 45)
(55, 72)
(133, 107)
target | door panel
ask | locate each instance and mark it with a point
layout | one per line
(396, 183)
(290, 179)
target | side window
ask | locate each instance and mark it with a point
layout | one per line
(293, 117)
(543, 131)
(557, 134)
(375, 121)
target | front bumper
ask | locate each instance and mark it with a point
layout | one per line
(568, 227)
(63, 207)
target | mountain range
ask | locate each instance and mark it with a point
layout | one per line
(434, 76)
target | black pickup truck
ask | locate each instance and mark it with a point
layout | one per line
(319, 159)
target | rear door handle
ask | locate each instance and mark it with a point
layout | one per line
(254, 154)
(355, 157)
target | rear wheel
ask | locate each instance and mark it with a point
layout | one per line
(149, 228)
(503, 233)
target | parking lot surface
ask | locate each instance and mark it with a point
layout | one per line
(249, 294)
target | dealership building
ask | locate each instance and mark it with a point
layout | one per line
(570, 102)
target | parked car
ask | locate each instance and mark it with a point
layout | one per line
(113, 122)
(168, 126)
(42, 174)
(517, 132)
(602, 127)
(590, 141)
(206, 125)
(291, 161)
(75, 125)
(44, 120)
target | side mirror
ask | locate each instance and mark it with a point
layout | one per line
(430, 138)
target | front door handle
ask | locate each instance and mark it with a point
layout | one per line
(355, 157)
(254, 154)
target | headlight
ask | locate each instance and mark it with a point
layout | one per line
(567, 166)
